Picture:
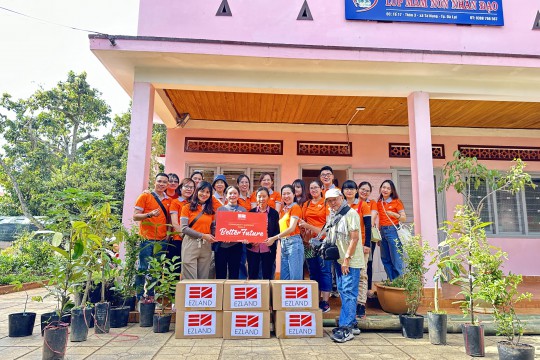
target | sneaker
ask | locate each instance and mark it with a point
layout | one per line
(342, 335)
(324, 306)
(360, 310)
(334, 294)
(355, 330)
(371, 294)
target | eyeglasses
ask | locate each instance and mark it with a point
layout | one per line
(349, 189)
(174, 181)
(188, 187)
(364, 190)
(314, 187)
(326, 175)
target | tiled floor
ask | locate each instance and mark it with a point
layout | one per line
(134, 342)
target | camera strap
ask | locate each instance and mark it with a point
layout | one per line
(338, 217)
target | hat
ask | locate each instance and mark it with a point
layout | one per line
(222, 178)
(332, 193)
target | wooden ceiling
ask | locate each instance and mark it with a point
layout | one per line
(338, 110)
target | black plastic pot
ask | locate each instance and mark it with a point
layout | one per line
(412, 326)
(121, 301)
(21, 324)
(437, 327)
(507, 351)
(80, 322)
(473, 335)
(102, 315)
(95, 293)
(146, 315)
(162, 323)
(119, 316)
(52, 318)
(55, 341)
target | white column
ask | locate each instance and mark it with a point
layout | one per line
(139, 150)
(423, 188)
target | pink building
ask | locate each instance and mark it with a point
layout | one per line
(275, 86)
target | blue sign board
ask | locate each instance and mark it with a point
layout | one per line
(466, 12)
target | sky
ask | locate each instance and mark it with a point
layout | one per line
(34, 53)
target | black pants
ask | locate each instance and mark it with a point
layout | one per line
(255, 260)
(228, 260)
(370, 266)
(174, 248)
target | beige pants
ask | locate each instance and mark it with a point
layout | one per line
(363, 283)
(196, 258)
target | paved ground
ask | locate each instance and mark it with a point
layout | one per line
(134, 342)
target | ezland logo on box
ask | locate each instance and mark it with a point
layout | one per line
(200, 323)
(296, 296)
(247, 324)
(300, 324)
(198, 295)
(243, 296)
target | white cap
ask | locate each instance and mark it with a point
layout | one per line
(332, 193)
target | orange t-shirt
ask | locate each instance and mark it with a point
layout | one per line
(315, 214)
(245, 203)
(355, 204)
(274, 198)
(331, 187)
(394, 205)
(176, 208)
(285, 216)
(364, 209)
(218, 202)
(203, 224)
(153, 228)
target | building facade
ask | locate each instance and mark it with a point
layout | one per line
(289, 86)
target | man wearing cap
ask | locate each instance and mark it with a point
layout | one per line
(343, 225)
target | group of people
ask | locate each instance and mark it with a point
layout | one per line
(180, 216)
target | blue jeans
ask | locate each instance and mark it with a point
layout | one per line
(145, 254)
(390, 252)
(292, 258)
(348, 291)
(321, 271)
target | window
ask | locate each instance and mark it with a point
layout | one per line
(510, 214)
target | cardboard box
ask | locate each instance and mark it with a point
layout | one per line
(198, 324)
(199, 295)
(291, 324)
(246, 324)
(246, 295)
(295, 295)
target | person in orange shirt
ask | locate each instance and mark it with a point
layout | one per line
(197, 176)
(391, 213)
(274, 201)
(314, 215)
(198, 226)
(364, 191)
(244, 199)
(350, 193)
(172, 190)
(292, 249)
(364, 210)
(152, 211)
(326, 175)
(219, 185)
(300, 193)
(186, 189)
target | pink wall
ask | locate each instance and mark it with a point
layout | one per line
(370, 152)
(275, 22)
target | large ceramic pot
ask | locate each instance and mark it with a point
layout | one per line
(392, 299)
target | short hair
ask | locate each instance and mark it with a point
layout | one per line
(365, 183)
(195, 173)
(328, 168)
(263, 189)
(162, 174)
(263, 175)
(231, 187)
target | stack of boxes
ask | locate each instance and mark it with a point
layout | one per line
(240, 309)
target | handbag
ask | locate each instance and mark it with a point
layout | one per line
(375, 235)
(329, 250)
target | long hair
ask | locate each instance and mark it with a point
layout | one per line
(365, 183)
(288, 186)
(303, 198)
(208, 207)
(240, 177)
(394, 195)
(318, 182)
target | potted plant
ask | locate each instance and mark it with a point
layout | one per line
(21, 324)
(437, 318)
(466, 236)
(501, 291)
(414, 259)
(164, 279)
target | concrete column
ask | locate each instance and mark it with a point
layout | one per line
(423, 188)
(139, 150)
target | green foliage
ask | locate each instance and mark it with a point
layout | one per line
(414, 257)
(126, 271)
(164, 278)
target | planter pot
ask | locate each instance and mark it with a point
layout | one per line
(95, 293)
(146, 316)
(473, 335)
(412, 326)
(80, 322)
(119, 316)
(103, 318)
(21, 324)
(55, 341)
(508, 351)
(437, 327)
(121, 301)
(392, 299)
(162, 323)
(52, 318)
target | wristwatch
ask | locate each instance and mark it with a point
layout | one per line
(347, 256)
